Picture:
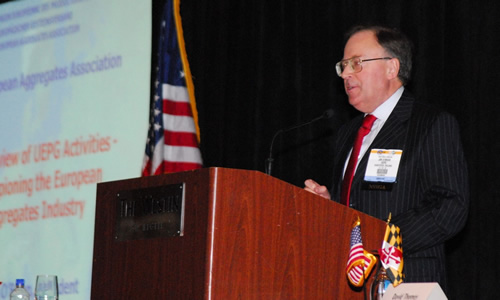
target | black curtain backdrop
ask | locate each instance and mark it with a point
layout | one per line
(260, 66)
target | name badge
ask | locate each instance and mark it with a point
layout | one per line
(383, 165)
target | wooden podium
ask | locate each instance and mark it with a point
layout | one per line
(245, 235)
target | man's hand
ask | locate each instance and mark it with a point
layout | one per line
(315, 188)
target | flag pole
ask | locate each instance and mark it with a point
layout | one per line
(185, 63)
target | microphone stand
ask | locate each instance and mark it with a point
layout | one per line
(269, 162)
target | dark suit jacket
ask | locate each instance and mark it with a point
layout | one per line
(429, 200)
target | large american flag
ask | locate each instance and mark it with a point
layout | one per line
(359, 262)
(172, 144)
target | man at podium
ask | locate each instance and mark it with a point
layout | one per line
(407, 156)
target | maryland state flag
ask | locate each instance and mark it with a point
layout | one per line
(360, 262)
(391, 254)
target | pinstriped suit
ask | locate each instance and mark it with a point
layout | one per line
(429, 200)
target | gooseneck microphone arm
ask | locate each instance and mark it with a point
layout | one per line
(269, 162)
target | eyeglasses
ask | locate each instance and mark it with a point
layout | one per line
(354, 63)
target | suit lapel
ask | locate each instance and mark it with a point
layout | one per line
(345, 142)
(392, 135)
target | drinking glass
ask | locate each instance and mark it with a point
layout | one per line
(46, 287)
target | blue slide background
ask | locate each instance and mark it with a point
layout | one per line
(74, 102)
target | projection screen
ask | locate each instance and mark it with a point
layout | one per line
(74, 104)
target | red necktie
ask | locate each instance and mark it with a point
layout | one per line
(351, 166)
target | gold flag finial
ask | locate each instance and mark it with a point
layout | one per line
(357, 222)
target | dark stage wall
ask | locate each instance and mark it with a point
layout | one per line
(259, 66)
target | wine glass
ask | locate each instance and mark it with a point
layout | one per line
(46, 287)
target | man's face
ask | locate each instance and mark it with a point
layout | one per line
(370, 87)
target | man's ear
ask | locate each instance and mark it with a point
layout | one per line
(393, 68)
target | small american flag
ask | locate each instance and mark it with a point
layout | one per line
(172, 144)
(360, 262)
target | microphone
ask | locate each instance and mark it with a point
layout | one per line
(326, 115)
